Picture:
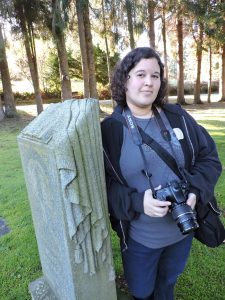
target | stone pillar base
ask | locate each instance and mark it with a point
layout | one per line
(40, 290)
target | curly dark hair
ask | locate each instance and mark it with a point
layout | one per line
(123, 68)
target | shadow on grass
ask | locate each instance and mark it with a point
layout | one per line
(216, 128)
(17, 123)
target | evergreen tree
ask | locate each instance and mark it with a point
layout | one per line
(9, 103)
(59, 9)
(23, 15)
(86, 47)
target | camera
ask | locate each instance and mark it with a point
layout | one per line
(176, 192)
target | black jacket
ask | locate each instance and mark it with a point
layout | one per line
(201, 163)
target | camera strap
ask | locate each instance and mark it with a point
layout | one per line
(167, 137)
(140, 137)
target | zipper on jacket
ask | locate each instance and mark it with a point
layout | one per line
(118, 177)
(190, 142)
(216, 211)
(124, 238)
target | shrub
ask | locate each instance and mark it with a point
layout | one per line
(29, 98)
(189, 87)
(77, 95)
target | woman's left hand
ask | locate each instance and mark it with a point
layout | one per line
(191, 201)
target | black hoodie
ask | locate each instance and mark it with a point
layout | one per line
(202, 165)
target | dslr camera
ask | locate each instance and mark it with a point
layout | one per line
(176, 192)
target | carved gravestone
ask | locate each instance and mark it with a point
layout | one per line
(62, 158)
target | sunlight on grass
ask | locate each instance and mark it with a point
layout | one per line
(107, 108)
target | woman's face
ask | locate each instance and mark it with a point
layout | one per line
(143, 85)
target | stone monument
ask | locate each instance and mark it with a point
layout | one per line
(61, 153)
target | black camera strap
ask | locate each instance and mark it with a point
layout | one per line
(167, 137)
(140, 137)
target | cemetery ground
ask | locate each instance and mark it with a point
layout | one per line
(203, 278)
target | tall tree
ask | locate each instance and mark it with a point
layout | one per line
(151, 22)
(58, 25)
(129, 10)
(83, 46)
(222, 42)
(90, 52)
(180, 73)
(177, 12)
(208, 16)
(86, 46)
(164, 40)
(214, 23)
(126, 22)
(10, 109)
(199, 49)
(25, 13)
(54, 16)
(2, 114)
(106, 41)
(210, 73)
(222, 76)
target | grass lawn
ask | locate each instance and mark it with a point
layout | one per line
(203, 279)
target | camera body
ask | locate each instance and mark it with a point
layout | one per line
(176, 192)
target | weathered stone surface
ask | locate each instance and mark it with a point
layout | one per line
(61, 154)
(40, 290)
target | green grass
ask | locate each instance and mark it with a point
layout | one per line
(19, 261)
(203, 278)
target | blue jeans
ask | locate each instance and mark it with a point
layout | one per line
(154, 271)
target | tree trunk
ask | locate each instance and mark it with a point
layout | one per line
(197, 92)
(29, 43)
(222, 74)
(164, 43)
(57, 27)
(165, 50)
(210, 75)
(10, 109)
(90, 52)
(83, 47)
(151, 27)
(106, 44)
(130, 23)
(180, 73)
(2, 114)
(66, 89)
(34, 75)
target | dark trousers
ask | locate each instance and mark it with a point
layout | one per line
(153, 273)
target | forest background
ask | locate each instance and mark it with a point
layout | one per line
(59, 49)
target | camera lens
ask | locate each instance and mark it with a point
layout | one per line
(188, 226)
(185, 218)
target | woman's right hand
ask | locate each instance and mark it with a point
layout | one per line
(154, 207)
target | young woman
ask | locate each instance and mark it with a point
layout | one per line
(154, 250)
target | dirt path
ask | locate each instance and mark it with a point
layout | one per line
(204, 110)
(28, 112)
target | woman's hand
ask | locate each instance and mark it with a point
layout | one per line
(154, 207)
(191, 201)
